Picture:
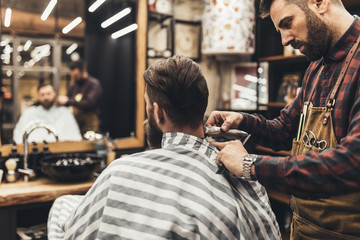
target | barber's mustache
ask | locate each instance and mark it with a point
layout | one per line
(297, 44)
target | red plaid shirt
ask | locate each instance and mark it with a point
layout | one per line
(333, 171)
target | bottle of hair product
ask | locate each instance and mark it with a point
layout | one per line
(34, 159)
(101, 150)
(16, 155)
(46, 151)
(110, 153)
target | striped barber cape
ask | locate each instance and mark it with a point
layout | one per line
(168, 193)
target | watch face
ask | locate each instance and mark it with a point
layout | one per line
(163, 6)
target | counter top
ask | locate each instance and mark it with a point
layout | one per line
(54, 147)
(39, 190)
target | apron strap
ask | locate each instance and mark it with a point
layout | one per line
(331, 102)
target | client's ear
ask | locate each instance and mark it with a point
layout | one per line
(158, 113)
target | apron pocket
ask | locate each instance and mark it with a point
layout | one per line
(295, 147)
(307, 148)
(304, 229)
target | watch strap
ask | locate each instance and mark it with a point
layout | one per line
(247, 163)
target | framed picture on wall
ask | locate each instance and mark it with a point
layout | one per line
(188, 39)
(249, 85)
(289, 87)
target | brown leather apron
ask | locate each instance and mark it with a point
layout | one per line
(336, 217)
(88, 121)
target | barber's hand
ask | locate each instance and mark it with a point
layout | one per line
(231, 155)
(225, 120)
(62, 100)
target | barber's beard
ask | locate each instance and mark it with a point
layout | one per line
(153, 133)
(80, 81)
(319, 39)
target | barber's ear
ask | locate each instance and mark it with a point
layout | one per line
(158, 113)
(321, 5)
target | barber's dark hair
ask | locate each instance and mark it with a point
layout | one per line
(78, 65)
(178, 85)
(265, 5)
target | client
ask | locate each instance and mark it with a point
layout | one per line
(173, 192)
(45, 111)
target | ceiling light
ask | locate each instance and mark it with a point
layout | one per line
(48, 9)
(75, 56)
(71, 25)
(72, 48)
(95, 5)
(7, 17)
(116, 17)
(124, 31)
(27, 45)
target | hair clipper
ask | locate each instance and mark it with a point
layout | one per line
(219, 135)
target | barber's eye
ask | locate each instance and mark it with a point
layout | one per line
(287, 24)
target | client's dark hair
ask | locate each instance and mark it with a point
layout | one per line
(44, 84)
(178, 86)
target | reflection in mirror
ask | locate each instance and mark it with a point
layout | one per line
(27, 62)
(33, 50)
(119, 64)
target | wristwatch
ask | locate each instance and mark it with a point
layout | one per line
(247, 163)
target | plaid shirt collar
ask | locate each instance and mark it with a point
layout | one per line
(344, 44)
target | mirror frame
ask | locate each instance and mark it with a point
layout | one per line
(138, 141)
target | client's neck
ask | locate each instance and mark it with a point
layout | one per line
(197, 132)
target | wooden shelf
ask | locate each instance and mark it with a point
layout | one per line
(159, 16)
(156, 57)
(282, 58)
(269, 150)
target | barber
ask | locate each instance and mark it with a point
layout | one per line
(84, 96)
(321, 126)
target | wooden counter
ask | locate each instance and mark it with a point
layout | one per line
(54, 147)
(31, 200)
(40, 190)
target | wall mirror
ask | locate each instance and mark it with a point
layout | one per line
(117, 63)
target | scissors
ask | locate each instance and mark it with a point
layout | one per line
(311, 141)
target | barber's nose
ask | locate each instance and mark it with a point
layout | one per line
(286, 38)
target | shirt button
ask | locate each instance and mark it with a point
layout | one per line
(326, 74)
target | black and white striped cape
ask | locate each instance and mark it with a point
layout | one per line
(168, 193)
